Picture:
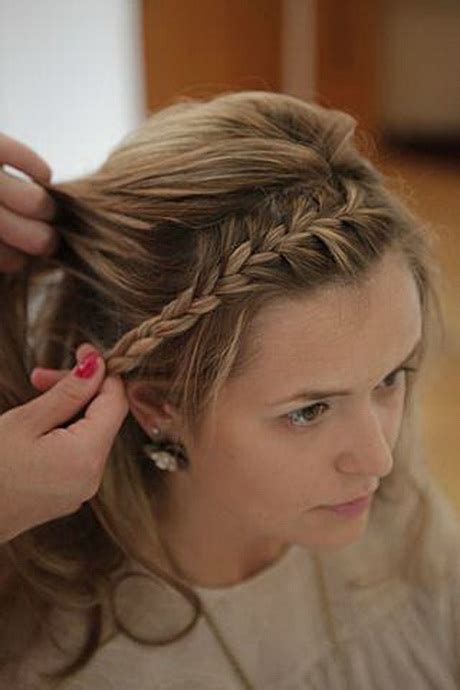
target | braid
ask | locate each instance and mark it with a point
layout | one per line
(184, 311)
(176, 317)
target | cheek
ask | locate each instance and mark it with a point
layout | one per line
(268, 467)
(284, 469)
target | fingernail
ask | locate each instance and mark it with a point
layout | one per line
(87, 367)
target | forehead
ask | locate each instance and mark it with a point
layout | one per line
(328, 336)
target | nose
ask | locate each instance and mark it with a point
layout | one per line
(368, 450)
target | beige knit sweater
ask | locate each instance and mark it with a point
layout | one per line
(394, 635)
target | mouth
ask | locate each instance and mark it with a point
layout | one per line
(354, 501)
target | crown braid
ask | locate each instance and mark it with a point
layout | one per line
(184, 311)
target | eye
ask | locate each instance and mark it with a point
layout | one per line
(390, 380)
(311, 413)
(308, 413)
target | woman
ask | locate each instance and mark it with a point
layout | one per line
(229, 255)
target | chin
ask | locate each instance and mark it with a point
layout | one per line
(330, 541)
(336, 546)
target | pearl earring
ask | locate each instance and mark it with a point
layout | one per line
(163, 459)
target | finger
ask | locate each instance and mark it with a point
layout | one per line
(26, 198)
(11, 259)
(86, 443)
(60, 403)
(20, 156)
(103, 418)
(30, 236)
(44, 379)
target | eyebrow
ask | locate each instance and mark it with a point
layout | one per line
(314, 394)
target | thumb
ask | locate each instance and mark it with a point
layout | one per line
(103, 418)
(66, 398)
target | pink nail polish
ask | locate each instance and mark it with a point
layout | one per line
(87, 367)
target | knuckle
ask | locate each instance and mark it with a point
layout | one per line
(70, 392)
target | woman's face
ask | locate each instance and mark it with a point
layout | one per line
(265, 469)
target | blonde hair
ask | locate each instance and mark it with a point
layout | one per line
(199, 218)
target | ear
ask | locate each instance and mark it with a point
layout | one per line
(149, 411)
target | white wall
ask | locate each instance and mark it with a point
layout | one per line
(71, 78)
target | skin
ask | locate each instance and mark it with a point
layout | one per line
(259, 480)
(25, 207)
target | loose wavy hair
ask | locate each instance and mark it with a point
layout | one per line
(207, 212)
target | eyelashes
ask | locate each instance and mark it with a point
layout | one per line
(406, 370)
(309, 411)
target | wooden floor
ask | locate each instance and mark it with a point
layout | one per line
(431, 186)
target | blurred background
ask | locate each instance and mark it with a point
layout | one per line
(76, 76)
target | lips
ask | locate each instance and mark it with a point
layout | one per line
(354, 500)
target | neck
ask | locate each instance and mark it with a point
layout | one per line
(206, 550)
